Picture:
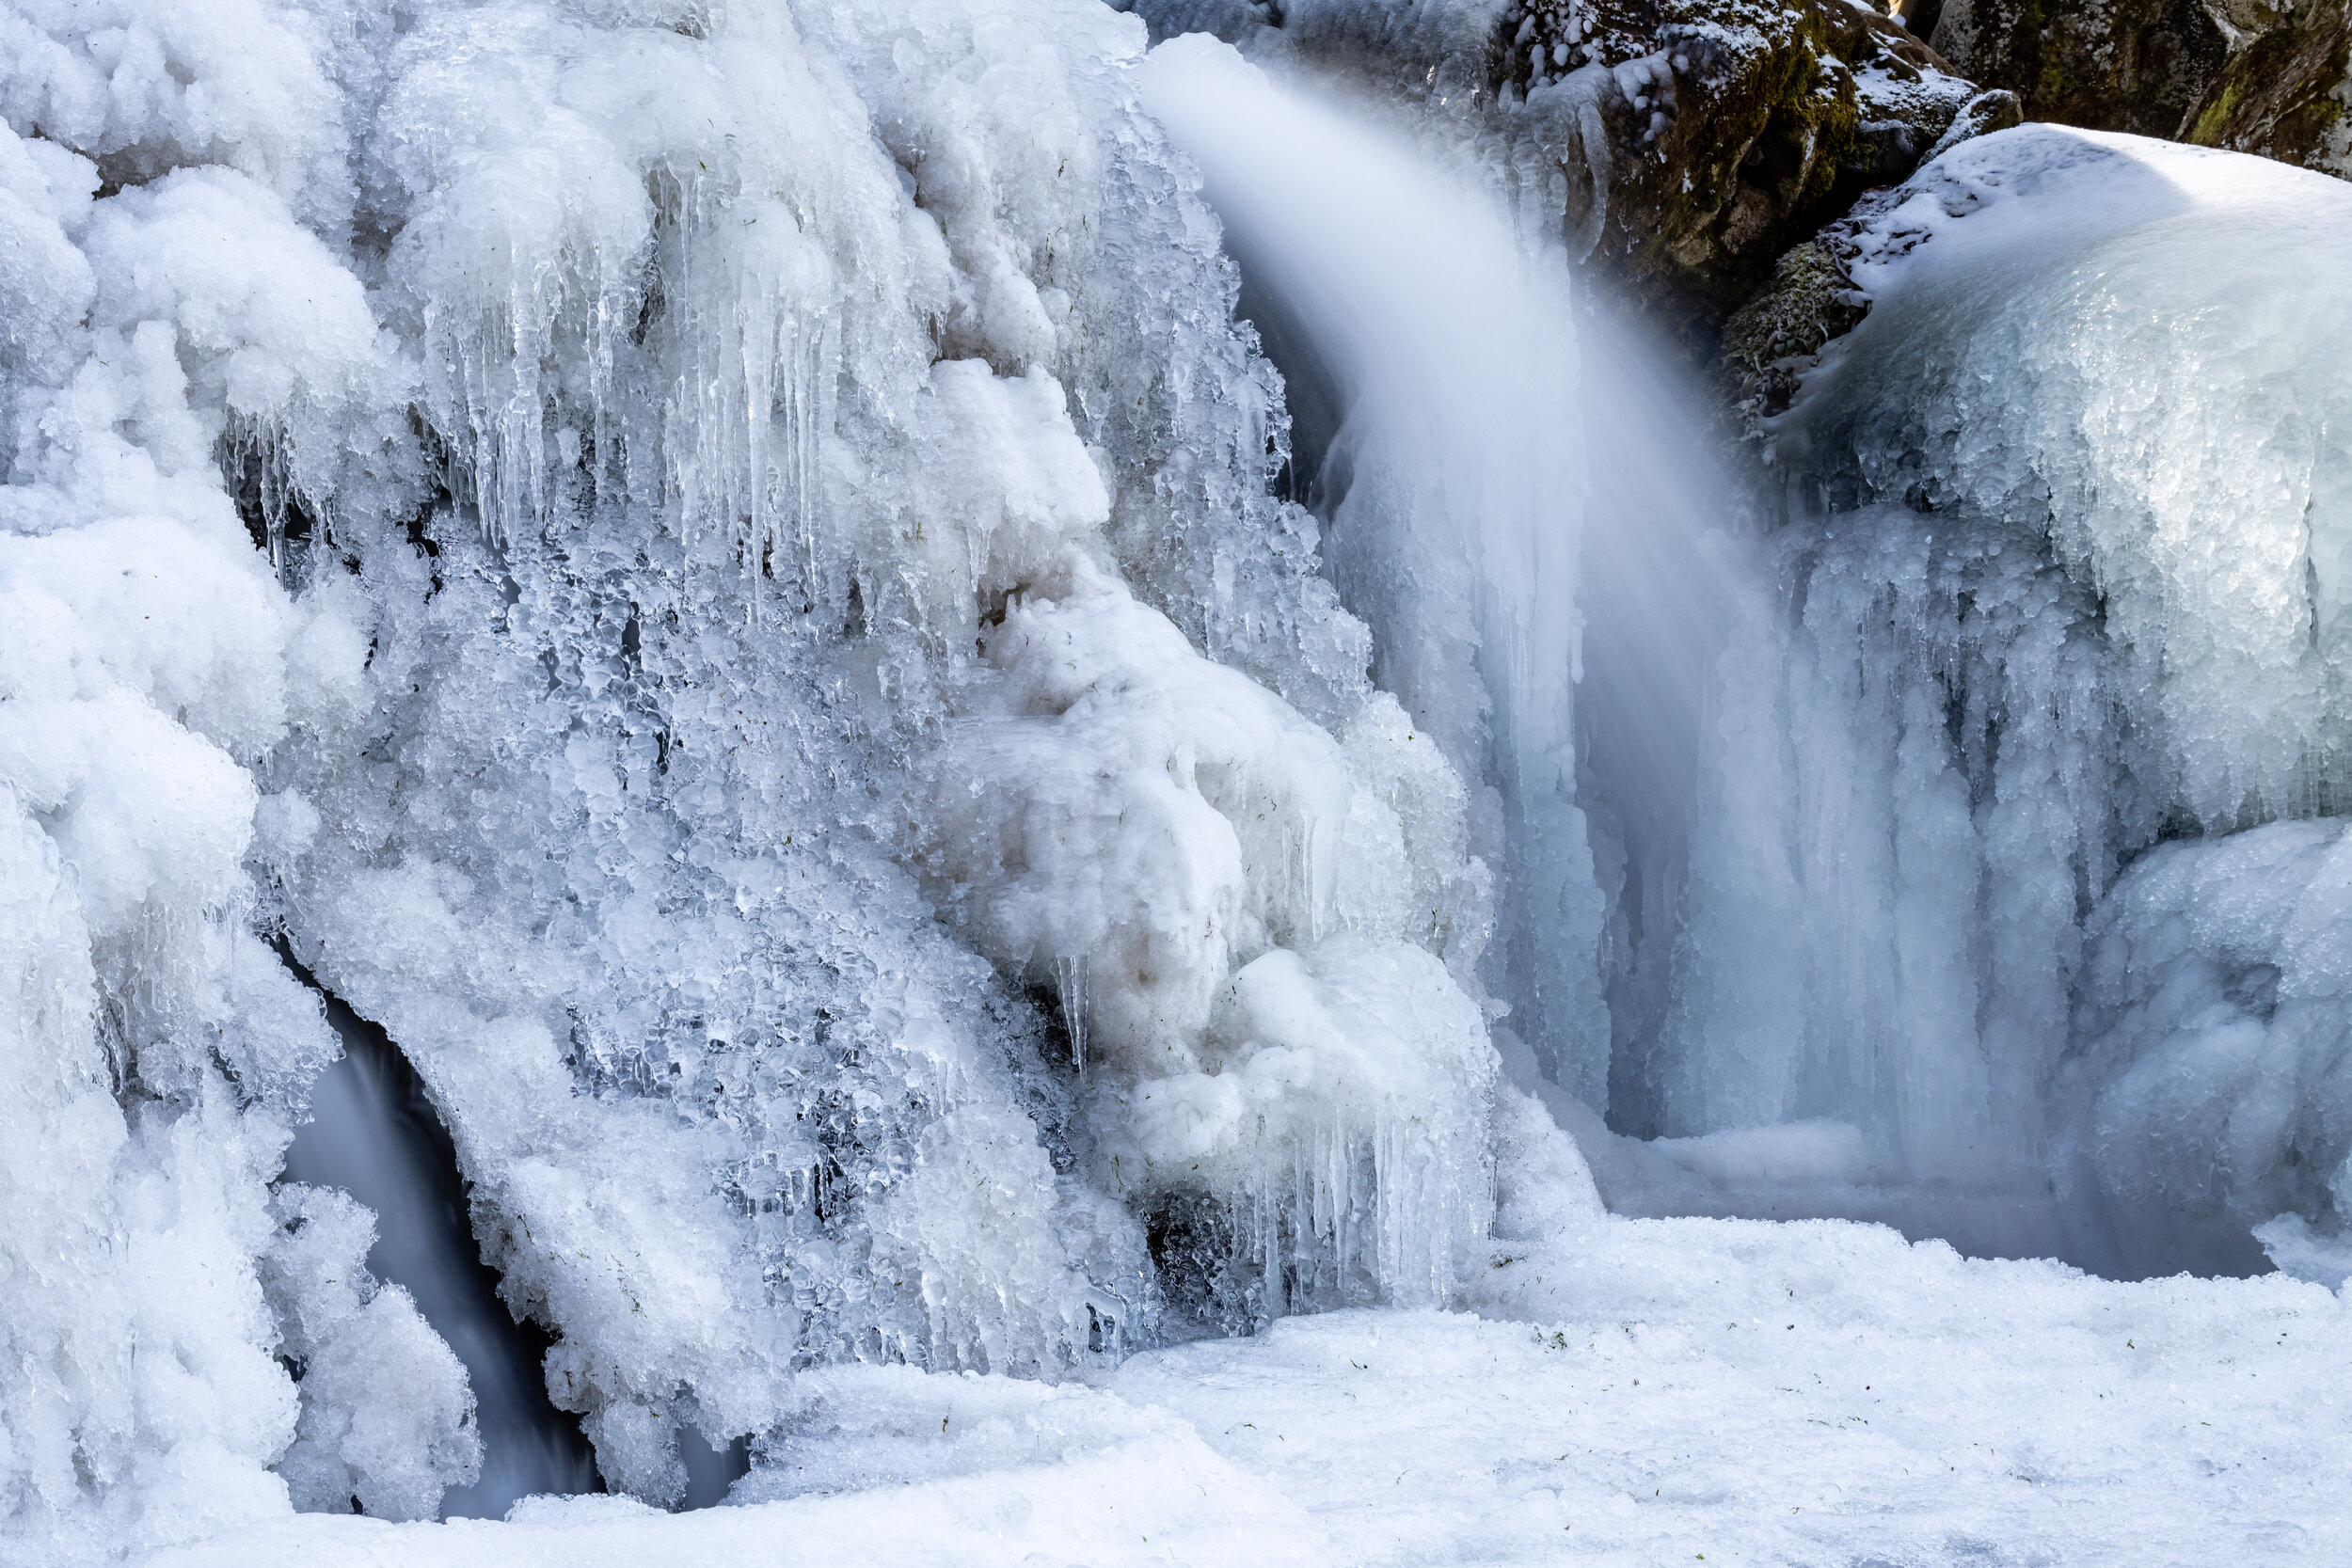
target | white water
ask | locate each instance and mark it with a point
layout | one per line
(1901, 793)
(1507, 481)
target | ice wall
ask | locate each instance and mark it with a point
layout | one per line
(712, 573)
(158, 1051)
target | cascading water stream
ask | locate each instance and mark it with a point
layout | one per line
(1511, 503)
(1516, 502)
(1515, 499)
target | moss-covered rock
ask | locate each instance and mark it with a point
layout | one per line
(1680, 144)
(2286, 92)
(1778, 114)
(1772, 339)
(2263, 77)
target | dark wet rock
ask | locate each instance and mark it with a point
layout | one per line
(2248, 75)
(1681, 146)
(2286, 91)
(2113, 65)
(1753, 122)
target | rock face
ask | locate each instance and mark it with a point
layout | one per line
(2248, 75)
(2286, 92)
(1751, 123)
(2113, 65)
(1682, 145)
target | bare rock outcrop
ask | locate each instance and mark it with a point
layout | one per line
(1679, 146)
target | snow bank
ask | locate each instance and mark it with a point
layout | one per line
(1641, 1392)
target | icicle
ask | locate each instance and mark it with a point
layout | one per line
(1070, 979)
(255, 452)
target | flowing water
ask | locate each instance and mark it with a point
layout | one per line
(1802, 827)
(1513, 499)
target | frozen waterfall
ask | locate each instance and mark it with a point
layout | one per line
(1513, 501)
(995, 709)
(751, 636)
(1820, 887)
(2048, 639)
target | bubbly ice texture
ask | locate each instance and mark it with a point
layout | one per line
(355, 1336)
(2215, 1079)
(713, 576)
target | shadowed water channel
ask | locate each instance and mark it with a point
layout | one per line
(374, 1133)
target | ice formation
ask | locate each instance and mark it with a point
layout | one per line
(375, 1140)
(2063, 624)
(717, 574)
(352, 1336)
(592, 525)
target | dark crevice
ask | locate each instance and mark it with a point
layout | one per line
(1313, 388)
(376, 1134)
(709, 1472)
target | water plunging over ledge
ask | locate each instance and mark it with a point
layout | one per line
(1513, 499)
(1762, 856)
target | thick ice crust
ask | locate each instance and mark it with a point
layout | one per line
(650, 546)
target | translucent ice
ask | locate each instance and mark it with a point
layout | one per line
(2067, 592)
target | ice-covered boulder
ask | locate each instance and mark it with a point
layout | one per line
(2213, 1081)
(2060, 582)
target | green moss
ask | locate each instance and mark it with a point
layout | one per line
(1767, 340)
(1806, 304)
(1780, 117)
(2213, 121)
(2277, 97)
